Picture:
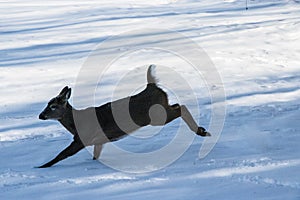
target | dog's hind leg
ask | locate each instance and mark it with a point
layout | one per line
(173, 112)
(176, 111)
(187, 117)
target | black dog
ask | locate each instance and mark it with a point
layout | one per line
(116, 119)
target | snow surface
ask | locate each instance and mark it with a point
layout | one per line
(257, 52)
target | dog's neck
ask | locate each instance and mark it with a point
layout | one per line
(68, 120)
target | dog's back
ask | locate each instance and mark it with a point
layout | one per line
(138, 106)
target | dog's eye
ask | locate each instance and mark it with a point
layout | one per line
(53, 107)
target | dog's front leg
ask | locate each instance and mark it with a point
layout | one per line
(73, 148)
(97, 151)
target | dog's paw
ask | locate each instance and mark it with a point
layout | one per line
(202, 132)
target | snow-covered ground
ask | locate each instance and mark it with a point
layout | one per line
(44, 44)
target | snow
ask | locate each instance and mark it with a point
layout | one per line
(44, 45)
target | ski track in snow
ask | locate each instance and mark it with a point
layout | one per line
(44, 44)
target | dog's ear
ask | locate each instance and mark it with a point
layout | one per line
(65, 93)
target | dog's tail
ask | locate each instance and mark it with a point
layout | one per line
(150, 75)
